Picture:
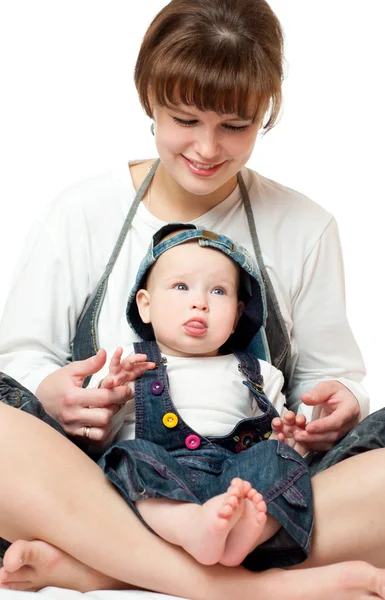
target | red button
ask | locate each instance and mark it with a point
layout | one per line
(192, 442)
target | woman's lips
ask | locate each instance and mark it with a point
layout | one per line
(195, 327)
(202, 171)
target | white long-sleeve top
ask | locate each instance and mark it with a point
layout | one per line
(207, 393)
(69, 246)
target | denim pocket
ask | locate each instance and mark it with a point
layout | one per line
(207, 460)
(292, 480)
(294, 497)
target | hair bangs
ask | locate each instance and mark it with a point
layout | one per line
(208, 85)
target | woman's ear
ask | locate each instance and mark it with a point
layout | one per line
(240, 307)
(143, 304)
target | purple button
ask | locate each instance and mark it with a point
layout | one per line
(192, 442)
(156, 387)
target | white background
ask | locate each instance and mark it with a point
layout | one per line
(68, 109)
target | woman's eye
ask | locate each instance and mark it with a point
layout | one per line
(234, 128)
(192, 122)
(180, 286)
(218, 291)
(184, 123)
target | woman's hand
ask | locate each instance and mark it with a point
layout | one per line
(339, 413)
(77, 408)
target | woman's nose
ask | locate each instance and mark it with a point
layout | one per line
(206, 145)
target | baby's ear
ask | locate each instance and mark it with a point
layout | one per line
(143, 304)
(240, 307)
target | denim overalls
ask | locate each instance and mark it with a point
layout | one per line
(168, 459)
(367, 435)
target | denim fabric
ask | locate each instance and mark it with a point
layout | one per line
(367, 435)
(14, 394)
(159, 463)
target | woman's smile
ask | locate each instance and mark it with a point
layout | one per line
(202, 169)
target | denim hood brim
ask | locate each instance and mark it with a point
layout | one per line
(251, 286)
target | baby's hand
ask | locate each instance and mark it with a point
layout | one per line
(285, 428)
(122, 372)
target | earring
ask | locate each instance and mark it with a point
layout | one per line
(152, 128)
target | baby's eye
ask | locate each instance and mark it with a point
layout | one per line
(218, 291)
(180, 286)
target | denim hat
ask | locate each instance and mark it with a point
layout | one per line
(251, 286)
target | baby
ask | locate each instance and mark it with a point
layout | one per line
(199, 402)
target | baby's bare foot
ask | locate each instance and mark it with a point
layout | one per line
(30, 566)
(211, 523)
(247, 532)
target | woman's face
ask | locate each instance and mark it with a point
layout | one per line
(202, 151)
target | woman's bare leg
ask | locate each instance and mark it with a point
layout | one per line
(349, 511)
(72, 506)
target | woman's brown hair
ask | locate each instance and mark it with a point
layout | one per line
(224, 56)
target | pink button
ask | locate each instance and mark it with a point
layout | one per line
(192, 442)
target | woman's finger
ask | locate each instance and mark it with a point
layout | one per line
(94, 435)
(101, 397)
(328, 439)
(96, 417)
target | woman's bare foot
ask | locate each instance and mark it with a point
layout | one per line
(355, 580)
(248, 531)
(30, 566)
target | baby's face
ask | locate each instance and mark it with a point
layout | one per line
(191, 300)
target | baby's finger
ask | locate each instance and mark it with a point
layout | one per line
(300, 420)
(115, 360)
(107, 383)
(133, 359)
(289, 418)
(277, 424)
(140, 368)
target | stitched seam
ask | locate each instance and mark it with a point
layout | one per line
(297, 527)
(162, 468)
(287, 482)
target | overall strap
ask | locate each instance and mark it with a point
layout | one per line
(86, 342)
(276, 332)
(250, 367)
(151, 349)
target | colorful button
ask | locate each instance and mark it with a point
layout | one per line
(170, 420)
(156, 387)
(192, 442)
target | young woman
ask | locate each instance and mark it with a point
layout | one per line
(209, 73)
